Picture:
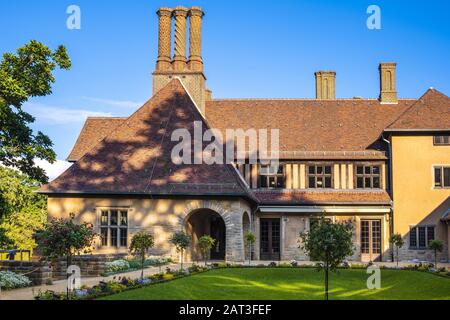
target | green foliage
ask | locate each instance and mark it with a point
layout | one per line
(22, 211)
(181, 241)
(65, 238)
(25, 74)
(140, 244)
(398, 242)
(330, 243)
(437, 246)
(249, 239)
(206, 243)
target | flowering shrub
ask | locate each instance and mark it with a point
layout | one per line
(157, 261)
(117, 265)
(11, 280)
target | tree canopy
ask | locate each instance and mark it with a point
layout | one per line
(22, 211)
(25, 74)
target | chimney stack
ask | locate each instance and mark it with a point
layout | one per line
(388, 86)
(325, 85)
(164, 39)
(179, 59)
(195, 49)
(189, 72)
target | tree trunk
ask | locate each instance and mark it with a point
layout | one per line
(435, 259)
(181, 253)
(397, 256)
(326, 281)
(142, 266)
(249, 254)
(69, 263)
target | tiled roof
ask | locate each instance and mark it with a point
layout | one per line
(431, 111)
(343, 125)
(135, 157)
(94, 130)
(309, 196)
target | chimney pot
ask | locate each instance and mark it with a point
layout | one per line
(179, 60)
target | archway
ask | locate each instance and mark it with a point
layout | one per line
(206, 222)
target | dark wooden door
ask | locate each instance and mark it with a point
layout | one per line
(218, 233)
(270, 239)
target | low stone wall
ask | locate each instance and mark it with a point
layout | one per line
(38, 272)
(90, 265)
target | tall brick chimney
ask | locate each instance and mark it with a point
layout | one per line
(388, 86)
(325, 85)
(190, 72)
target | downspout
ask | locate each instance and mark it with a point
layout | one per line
(391, 187)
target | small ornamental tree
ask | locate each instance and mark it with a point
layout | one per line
(330, 242)
(398, 242)
(205, 244)
(181, 241)
(140, 244)
(437, 246)
(65, 238)
(250, 239)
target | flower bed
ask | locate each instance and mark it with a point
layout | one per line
(10, 280)
(120, 266)
(117, 266)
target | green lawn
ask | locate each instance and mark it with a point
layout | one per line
(291, 284)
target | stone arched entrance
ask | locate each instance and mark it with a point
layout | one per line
(206, 222)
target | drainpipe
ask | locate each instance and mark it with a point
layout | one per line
(391, 187)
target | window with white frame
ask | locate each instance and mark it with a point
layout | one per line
(114, 227)
(421, 236)
(442, 177)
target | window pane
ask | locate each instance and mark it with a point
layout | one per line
(446, 177)
(114, 218)
(367, 170)
(113, 233)
(327, 182)
(263, 182)
(104, 236)
(359, 182)
(311, 182)
(367, 182)
(376, 182)
(104, 218)
(280, 182)
(123, 237)
(430, 235)
(328, 170)
(359, 169)
(272, 182)
(319, 182)
(311, 169)
(280, 169)
(422, 239)
(437, 177)
(123, 218)
(319, 170)
(376, 170)
(413, 237)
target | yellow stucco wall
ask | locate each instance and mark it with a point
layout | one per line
(416, 201)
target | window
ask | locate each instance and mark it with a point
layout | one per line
(270, 178)
(441, 140)
(368, 177)
(442, 177)
(114, 228)
(420, 237)
(319, 176)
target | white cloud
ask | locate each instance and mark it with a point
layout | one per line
(55, 169)
(116, 103)
(60, 115)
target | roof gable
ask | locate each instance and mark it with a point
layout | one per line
(430, 112)
(136, 156)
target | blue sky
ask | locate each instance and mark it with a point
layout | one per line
(264, 49)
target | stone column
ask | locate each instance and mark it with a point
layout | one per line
(195, 49)
(179, 59)
(164, 39)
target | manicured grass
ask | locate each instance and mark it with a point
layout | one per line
(293, 284)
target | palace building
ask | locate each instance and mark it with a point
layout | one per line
(381, 164)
